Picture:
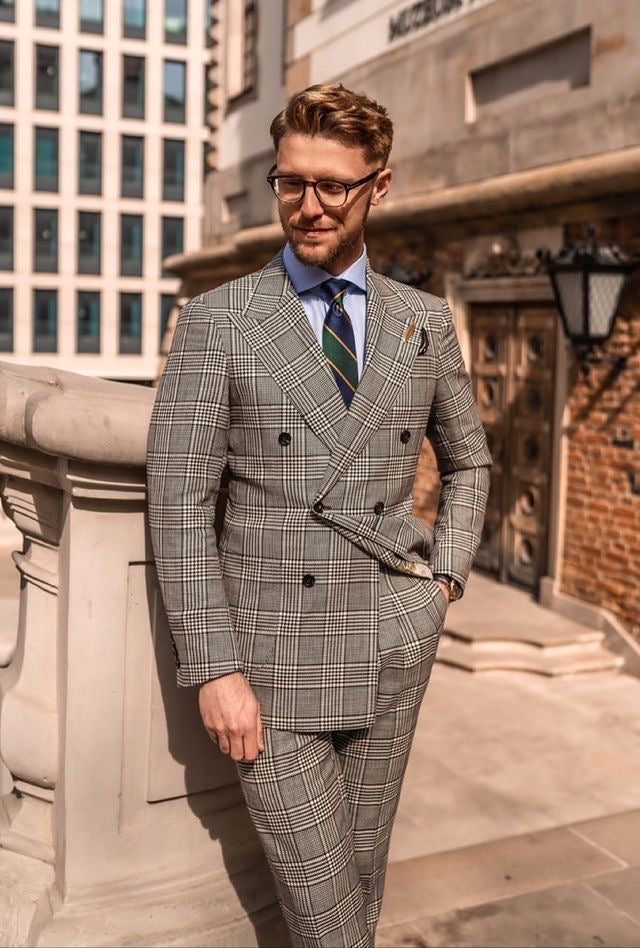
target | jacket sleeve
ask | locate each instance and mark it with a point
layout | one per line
(460, 446)
(186, 455)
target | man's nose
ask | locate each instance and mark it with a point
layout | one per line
(311, 206)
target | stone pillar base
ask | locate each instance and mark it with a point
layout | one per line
(209, 914)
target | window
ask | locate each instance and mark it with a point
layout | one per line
(90, 163)
(88, 322)
(8, 11)
(6, 319)
(45, 321)
(132, 183)
(6, 156)
(172, 170)
(45, 240)
(6, 238)
(241, 48)
(88, 242)
(133, 87)
(130, 323)
(134, 18)
(172, 239)
(131, 233)
(46, 159)
(167, 302)
(47, 77)
(90, 79)
(175, 21)
(208, 22)
(174, 91)
(48, 13)
(6, 72)
(91, 16)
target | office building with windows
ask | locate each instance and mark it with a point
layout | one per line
(102, 113)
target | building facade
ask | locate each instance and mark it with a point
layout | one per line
(517, 126)
(102, 140)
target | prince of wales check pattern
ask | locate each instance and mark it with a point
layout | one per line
(319, 495)
(318, 586)
(338, 341)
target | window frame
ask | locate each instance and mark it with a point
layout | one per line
(99, 59)
(7, 260)
(38, 293)
(89, 263)
(85, 348)
(83, 135)
(40, 134)
(45, 262)
(8, 97)
(134, 348)
(40, 99)
(167, 115)
(129, 109)
(6, 338)
(129, 265)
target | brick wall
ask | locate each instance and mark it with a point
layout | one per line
(602, 535)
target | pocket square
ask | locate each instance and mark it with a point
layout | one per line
(424, 341)
(409, 331)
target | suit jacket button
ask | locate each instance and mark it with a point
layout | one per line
(284, 438)
(308, 580)
(405, 435)
(378, 509)
(318, 507)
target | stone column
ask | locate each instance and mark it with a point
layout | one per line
(123, 824)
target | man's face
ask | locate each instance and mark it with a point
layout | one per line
(327, 237)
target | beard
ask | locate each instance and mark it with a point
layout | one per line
(324, 257)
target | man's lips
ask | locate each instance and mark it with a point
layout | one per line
(313, 231)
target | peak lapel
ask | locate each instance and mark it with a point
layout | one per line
(393, 341)
(276, 326)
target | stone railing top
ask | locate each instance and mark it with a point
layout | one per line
(74, 416)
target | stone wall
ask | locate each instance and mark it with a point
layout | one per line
(602, 535)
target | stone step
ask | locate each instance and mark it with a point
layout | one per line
(516, 656)
(553, 635)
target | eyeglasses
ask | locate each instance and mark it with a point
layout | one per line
(291, 190)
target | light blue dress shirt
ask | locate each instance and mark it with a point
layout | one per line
(306, 281)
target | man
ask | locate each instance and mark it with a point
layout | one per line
(312, 625)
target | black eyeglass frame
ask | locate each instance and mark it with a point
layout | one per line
(272, 179)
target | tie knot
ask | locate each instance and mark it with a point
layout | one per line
(334, 289)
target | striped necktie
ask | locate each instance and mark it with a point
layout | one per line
(338, 341)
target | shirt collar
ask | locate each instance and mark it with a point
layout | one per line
(305, 277)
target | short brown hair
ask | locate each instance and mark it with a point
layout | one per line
(331, 111)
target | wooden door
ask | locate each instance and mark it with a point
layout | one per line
(513, 361)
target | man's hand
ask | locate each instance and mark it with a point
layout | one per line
(231, 714)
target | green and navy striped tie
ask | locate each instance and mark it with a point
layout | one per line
(338, 341)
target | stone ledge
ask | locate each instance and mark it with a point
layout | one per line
(74, 416)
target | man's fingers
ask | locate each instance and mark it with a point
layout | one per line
(259, 732)
(237, 747)
(250, 747)
(223, 743)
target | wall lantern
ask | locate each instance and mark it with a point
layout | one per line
(587, 280)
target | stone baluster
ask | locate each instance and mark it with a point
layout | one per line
(121, 821)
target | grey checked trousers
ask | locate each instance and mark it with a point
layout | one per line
(323, 804)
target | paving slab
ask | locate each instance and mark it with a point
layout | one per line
(621, 889)
(496, 870)
(506, 753)
(566, 916)
(618, 835)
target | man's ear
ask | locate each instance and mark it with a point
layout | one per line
(381, 187)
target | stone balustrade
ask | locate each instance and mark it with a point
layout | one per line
(120, 822)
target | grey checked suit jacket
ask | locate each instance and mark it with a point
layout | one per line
(319, 497)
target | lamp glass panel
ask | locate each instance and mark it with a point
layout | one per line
(604, 294)
(570, 292)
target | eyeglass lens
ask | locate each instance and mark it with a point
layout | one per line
(291, 190)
